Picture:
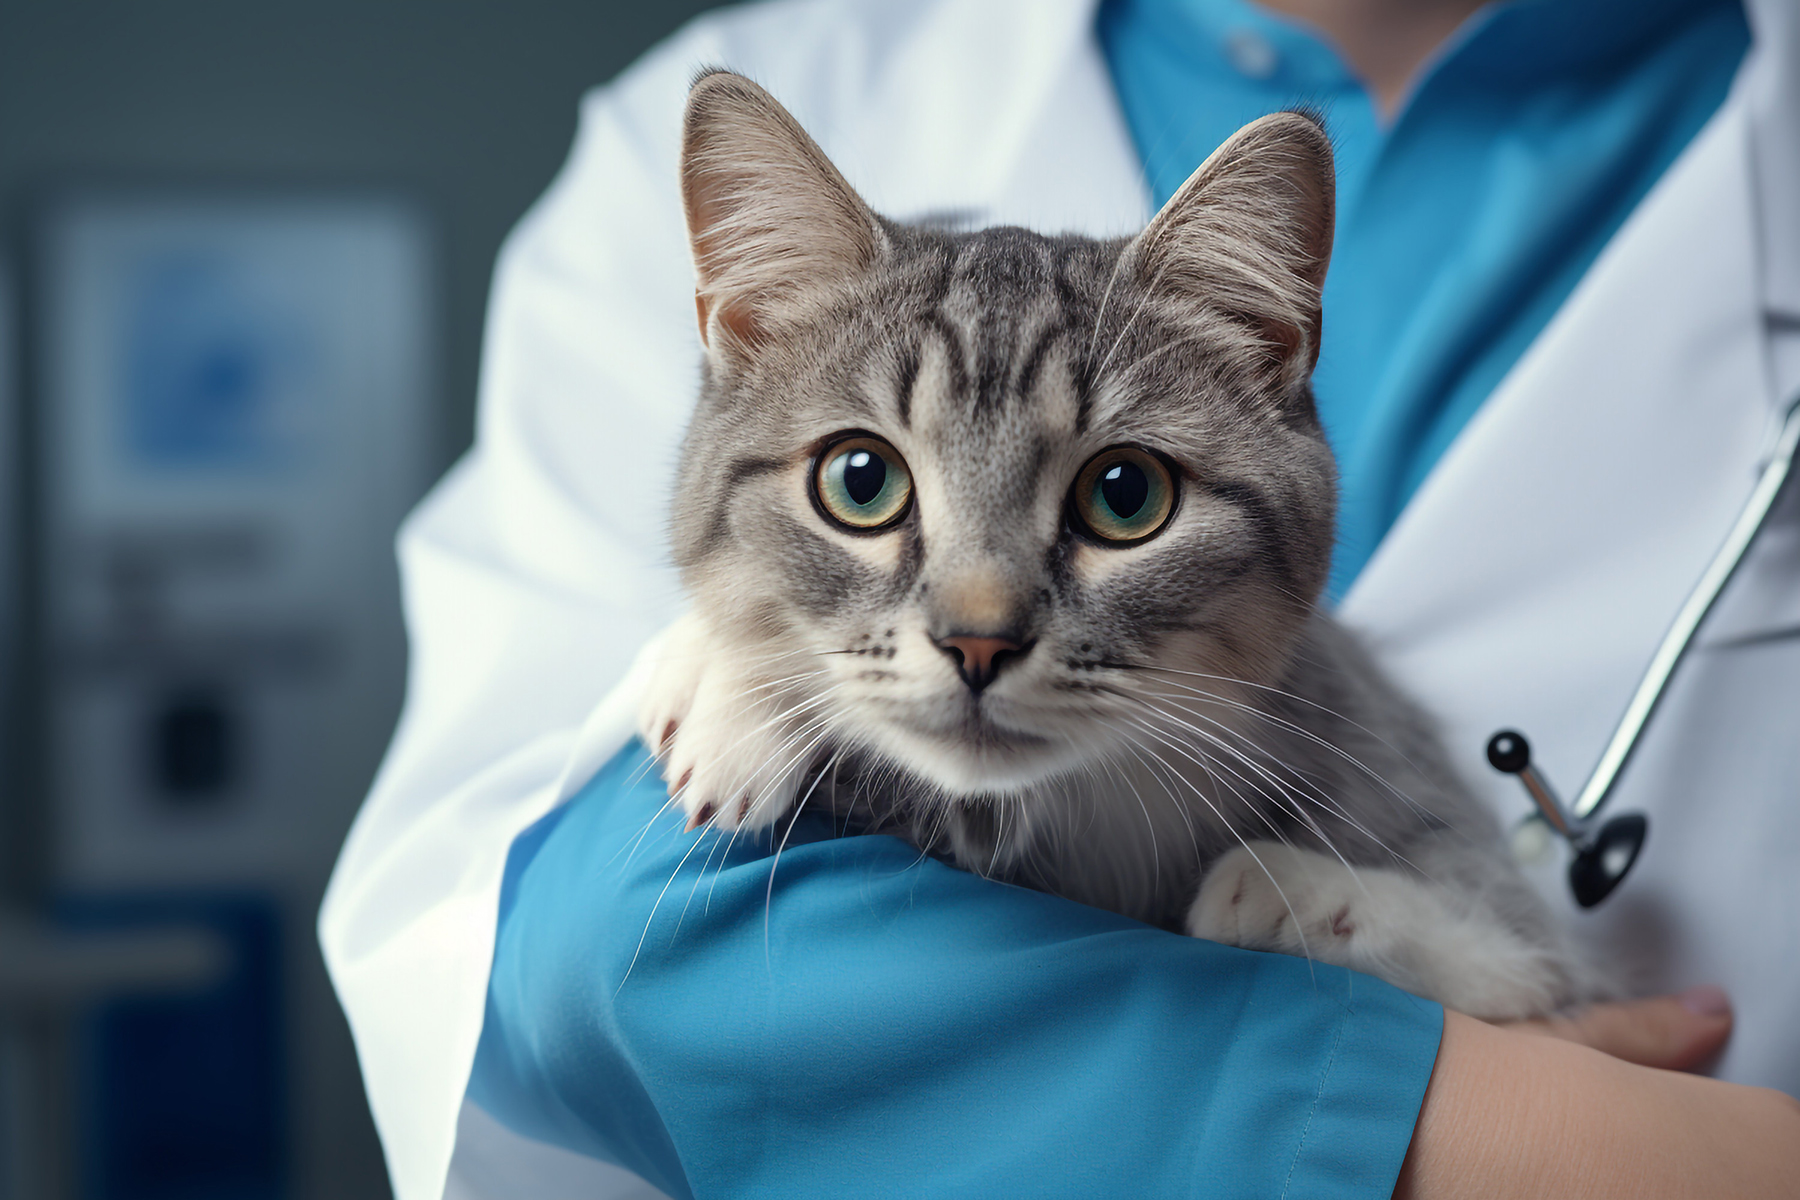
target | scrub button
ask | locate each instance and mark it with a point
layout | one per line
(1251, 53)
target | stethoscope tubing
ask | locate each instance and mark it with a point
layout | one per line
(1680, 637)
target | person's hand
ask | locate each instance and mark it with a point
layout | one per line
(1512, 1112)
(1676, 1033)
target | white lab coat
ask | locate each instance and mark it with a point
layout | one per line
(1525, 586)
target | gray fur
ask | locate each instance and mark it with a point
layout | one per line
(1178, 698)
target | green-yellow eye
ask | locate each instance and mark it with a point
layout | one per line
(1124, 495)
(862, 482)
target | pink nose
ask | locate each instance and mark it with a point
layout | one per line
(980, 658)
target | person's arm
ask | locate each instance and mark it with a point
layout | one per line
(1512, 1113)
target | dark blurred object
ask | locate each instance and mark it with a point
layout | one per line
(51, 976)
(193, 746)
(460, 111)
(185, 1094)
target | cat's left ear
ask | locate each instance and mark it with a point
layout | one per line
(773, 224)
(1249, 236)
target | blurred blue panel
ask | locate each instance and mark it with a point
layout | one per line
(185, 1094)
(211, 369)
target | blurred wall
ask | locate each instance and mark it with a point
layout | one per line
(464, 109)
(465, 105)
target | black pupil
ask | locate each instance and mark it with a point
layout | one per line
(1126, 489)
(865, 474)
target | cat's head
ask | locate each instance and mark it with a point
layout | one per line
(978, 494)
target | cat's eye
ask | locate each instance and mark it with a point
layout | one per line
(862, 482)
(1123, 495)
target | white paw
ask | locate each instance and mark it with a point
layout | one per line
(732, 747)
(1266, 896)
(1409, 931)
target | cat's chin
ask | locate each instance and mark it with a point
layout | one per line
(987, 762)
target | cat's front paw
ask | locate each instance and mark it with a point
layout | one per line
(1266, 896)
(731, 746)
(1412, 932)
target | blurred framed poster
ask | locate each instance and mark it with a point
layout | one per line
(234, 408)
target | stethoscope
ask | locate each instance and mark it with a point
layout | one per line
(1606, 850)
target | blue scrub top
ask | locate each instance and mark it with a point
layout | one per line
(856, 1021)
(853, 1020)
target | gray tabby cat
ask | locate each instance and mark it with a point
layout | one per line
(1011, 545)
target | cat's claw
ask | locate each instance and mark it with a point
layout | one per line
(730, 754)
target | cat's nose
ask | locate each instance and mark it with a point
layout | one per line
(980, 658)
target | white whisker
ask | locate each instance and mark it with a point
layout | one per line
(1307, 788)
(1245, 843)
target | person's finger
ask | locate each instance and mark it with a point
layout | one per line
(1676, 1033)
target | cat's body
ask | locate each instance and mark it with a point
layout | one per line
(1011, 545)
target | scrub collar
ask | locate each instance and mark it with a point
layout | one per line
(1509, 42)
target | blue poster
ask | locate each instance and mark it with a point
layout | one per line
(213, 374)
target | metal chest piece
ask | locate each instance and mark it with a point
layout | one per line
(1604, 850)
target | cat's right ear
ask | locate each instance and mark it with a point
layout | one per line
(772, 223)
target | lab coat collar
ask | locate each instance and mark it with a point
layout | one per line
(1558, 535)
(1509, 42)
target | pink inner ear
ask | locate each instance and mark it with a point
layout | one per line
(741, 321)
(1285, 341)
(738, 319)
(735, 310)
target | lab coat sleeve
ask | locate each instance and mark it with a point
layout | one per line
(851, 1019)
(530, 577)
